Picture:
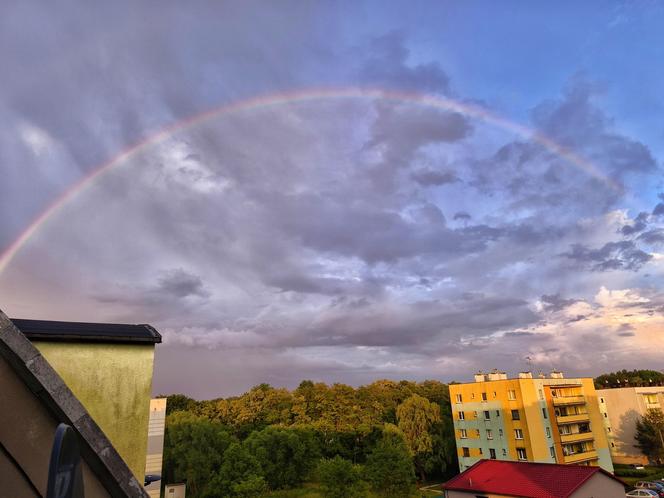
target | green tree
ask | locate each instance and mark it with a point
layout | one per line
(416, 416)
(239, 474)
(193, 452)
(389, 467)
(340, 478)
(650, 435)
(627, 378)
(179, 402)
(286, 456)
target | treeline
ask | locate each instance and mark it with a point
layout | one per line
(629, 378)
(378, 436)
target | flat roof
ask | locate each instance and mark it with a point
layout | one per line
(49, 330)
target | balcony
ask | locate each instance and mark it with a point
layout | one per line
(571, 419)
(581, 457)
(576, 438)
(569, 400)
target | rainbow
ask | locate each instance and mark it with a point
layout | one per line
(273, 100)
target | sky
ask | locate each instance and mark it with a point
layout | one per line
(339, 191)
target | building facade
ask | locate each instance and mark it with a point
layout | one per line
(155, 457)
(542, 419)
(621, 408)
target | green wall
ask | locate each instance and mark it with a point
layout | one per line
(114, 382)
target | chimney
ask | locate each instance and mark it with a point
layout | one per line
(480, 377)
(525, 375)
(555, 374)
(541, 375)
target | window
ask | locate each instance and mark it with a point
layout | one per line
(480, 450)
(472, 395)
(553, 452)
(504, 452)
(515, 415)
(459, 398)
(466, 451)
(613, 445)
(601, 400)
(511, 394)
(477, 432)
(521, 453)
(518, 434)
(500, 432)
(548, 432)
(487, 415)
(544, 414)
(495, 394)
(605, 415)
(484, 398)
(489, 434)
(463, 433)
(497, 413)
(492, 453)
(608, 429)
(462, 416)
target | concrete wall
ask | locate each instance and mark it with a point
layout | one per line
(624, 406)
(600, 486)
(113, 382)
(27, 431)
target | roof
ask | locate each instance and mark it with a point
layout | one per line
(48, 330)
(524, 479)
(51, 391)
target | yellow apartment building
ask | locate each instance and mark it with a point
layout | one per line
(622, 407)
(542, 419)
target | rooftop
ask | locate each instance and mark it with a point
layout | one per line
(48, 330)
(524, 479)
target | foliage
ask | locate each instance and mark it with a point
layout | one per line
(416, 415)
(193, 452)
(178, 403)
(389, 467)
(286, 456)
(240, 473)
(632, 378)
(340, 478)
(650, 435)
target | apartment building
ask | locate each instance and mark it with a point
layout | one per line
(621, 408)
(530, 419)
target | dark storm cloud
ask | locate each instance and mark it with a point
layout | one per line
(623, 255)
(179, 283)
(427, 177)
(554, 302)
(387, 64)
(639, 224)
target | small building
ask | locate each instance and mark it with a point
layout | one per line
(542, 419)
(175, 491)
(155, 458)
(500, 479)
(622, 408)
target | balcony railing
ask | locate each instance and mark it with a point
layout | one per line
(577, 437)
(569, 400)
(571, 419)
(581, 457)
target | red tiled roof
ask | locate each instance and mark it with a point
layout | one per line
(523, 479)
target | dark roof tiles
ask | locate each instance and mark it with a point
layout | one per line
(48, 330)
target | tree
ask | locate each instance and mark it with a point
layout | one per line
(240, 473)
(179, 402)
(286, 456)
(193, 452)
(389, 467)
(416, 415)
(650, 435)
(631, 378)
(340, 478)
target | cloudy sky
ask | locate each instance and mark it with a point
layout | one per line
(335, 232)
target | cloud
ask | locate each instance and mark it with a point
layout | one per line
(611, 256)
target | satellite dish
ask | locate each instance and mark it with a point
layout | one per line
(64, 471)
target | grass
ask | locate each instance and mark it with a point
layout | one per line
(649, 474)
(312, 490)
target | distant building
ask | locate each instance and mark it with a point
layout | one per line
(496, 479)
(155, 456)
(621, 408)
(35, 397)
(543, 419)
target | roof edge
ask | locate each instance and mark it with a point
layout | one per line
(47, 385)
